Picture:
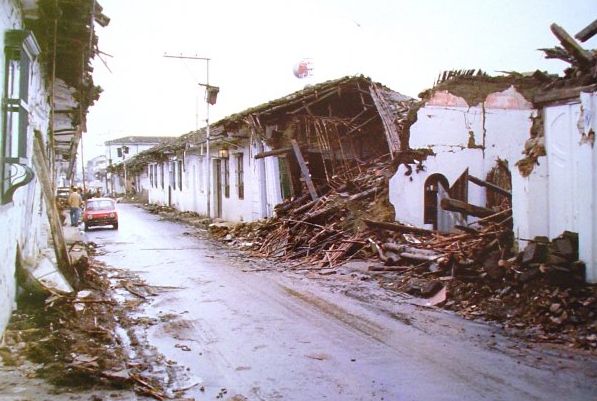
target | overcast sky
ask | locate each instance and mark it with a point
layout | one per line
(254, 45)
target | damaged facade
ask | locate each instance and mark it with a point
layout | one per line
(297, 146)
(46, 93)
(520, 142)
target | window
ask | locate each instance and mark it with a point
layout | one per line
(20, 49)
(180, 175)
(201, 170)
(240, 183)
(150, 174)
(162, 174)
(154, 171)
(172, 175)
(226, 177)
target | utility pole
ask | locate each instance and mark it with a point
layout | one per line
(209, 90)
(82, 166)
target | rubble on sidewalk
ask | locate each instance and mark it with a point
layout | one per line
(86, 338)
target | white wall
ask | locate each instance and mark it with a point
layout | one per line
(572, 175)
(454, 132)
(407, 192)
(134, 148)
(261, 186)
(23, 222)
(530, 203)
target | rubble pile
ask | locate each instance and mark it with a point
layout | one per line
(325, 231)
(538, 292)
(85, 338)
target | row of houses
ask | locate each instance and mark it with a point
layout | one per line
(530, 135)
(46, 92)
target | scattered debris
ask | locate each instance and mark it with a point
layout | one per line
(475, 272)
(85, 337)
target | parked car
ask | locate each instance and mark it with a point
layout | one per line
(100, 212)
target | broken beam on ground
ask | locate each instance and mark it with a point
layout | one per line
(455, 205)
(396, 227)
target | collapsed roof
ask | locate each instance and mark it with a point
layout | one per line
(66, 34)
(343, 119)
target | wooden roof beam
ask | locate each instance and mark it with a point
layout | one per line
(581, 55)
(588, 32)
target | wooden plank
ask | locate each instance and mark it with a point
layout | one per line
(581, 55)
(455, 205)
(64, 263)
(304, 169)
(387, 118)
(306, 106)
(490, 186)
(555, 95)
(588, 32)
(396, 227)
(274, 152)
(358, 127)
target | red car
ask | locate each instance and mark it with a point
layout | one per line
(100, 212)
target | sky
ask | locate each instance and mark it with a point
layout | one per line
(253, 46)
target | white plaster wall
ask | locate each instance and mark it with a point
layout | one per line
(233, 208)
(507, 132)
(561, 193)
(274, 190)
(8, 243)
(196, 177)
(588, 165)
(134, 148)
(261, 186)
(455, 132)
(407, 193)
(23, 221)
(529, 203)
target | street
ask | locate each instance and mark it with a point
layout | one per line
(270, 335)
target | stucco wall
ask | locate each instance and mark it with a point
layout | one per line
(261, 186)
(571, 164)
(23, 221)
(461, 137)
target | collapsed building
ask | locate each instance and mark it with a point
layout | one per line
(527, 140)
(474, 145)
(292, 147)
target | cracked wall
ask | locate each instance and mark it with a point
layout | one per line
(461, 136)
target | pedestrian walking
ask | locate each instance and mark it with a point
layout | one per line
(75, 202)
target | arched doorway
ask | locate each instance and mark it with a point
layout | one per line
(436, 187)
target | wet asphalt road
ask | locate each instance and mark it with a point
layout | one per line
(269, 336)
